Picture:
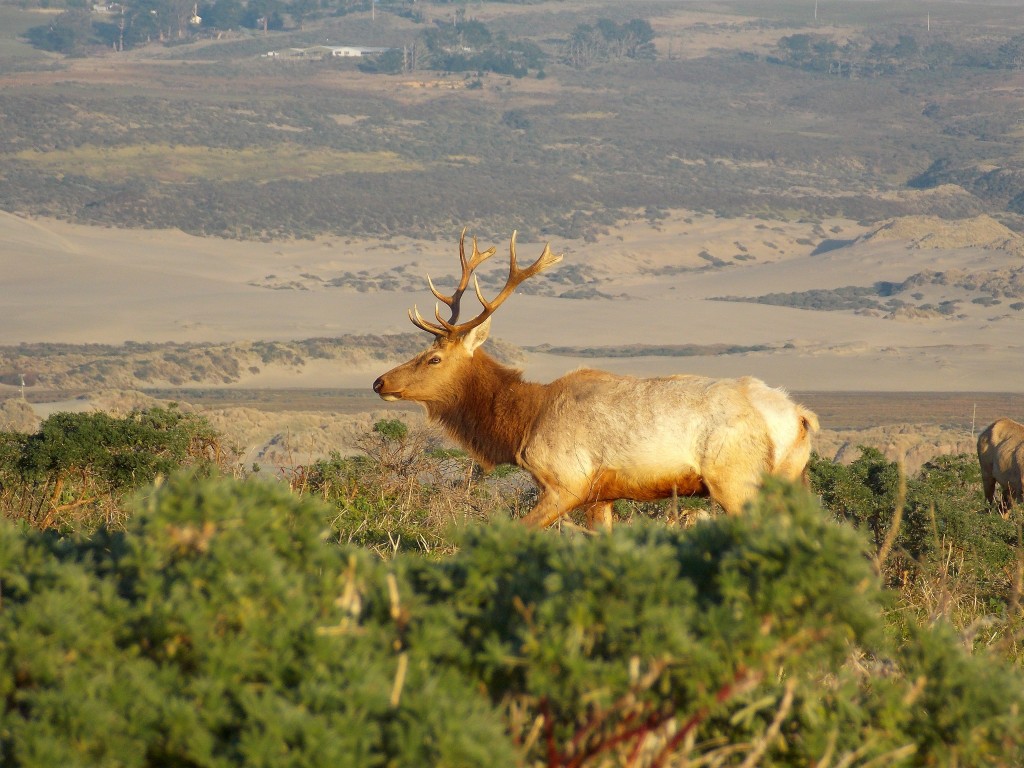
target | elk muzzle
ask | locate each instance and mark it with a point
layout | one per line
(378, 387)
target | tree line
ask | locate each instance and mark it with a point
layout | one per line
(887, 52)
(463, 45)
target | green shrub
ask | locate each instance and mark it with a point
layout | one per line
(950, 555)
(222, 627)
(74, 473)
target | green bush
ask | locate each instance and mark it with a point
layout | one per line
(222, 627)
(950, 554)
(74, 473)
(219, 629)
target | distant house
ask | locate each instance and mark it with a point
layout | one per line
(352, 50)
(324, 51)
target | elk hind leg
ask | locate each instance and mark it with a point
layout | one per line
(1014, 492)
(989, 485)
(731, 495)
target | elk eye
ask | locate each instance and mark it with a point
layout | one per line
(434, 360)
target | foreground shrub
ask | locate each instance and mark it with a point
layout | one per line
(220, 629)
(226, 627)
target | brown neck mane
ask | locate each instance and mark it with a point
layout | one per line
(491, 412)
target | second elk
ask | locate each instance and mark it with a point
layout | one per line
(1001, 457)
(591, 437)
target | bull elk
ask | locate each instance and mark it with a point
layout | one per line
(1001, 456)
(591, 437)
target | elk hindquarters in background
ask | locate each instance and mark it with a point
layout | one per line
(1001, 457)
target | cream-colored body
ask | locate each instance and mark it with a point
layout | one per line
(600, 437)
(590, 437)
(1001, 456)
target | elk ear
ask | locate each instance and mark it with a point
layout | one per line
(477, 336)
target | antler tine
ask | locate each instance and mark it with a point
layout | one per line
(450, 329)
(419, 322)
(516, 277)
(468, 266)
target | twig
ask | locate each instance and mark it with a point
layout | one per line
(897, 519)
(396, 688)
(773, 729)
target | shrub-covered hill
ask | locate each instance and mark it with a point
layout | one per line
(136, 366)
(226, 626)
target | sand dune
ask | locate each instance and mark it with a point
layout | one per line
(641, 284)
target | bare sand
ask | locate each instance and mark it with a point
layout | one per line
(644, 284)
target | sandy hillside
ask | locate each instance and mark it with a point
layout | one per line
(642, 284)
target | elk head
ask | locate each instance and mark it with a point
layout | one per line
(432, 376)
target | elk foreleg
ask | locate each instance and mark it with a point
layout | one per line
(599, 515)
(549, 508)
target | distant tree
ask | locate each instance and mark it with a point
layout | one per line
(222, 14)
(797, 44)
(264, 15)
(528, 51)
(906, 47)
(584, 47)
(638, 39)
(609, 40)
(1011, 54)
(393, 62)
(300, 10)
(461, 37)
(70, 32)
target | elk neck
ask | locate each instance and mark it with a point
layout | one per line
(491, 411)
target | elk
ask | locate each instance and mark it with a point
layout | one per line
(1001, 456)
(591, 437)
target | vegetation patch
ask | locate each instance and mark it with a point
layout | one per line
(132, 365)
(990, 288)
(239, 630)
(725, 132)
(651, 350)
(372, 611)
(175, 163)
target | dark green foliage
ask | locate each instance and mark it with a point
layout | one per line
(391, 62)
(74, 472)
(589, 44)
(219, 629)
(222, 627)
(947, 540)
(608, 638)
(391, 429)
(71, 32)
(960, 715)
(469, 46)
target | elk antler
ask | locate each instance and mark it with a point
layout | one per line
(450, 329)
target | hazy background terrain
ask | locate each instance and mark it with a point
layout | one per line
(830, 202)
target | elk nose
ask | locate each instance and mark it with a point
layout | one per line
(378, 384)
